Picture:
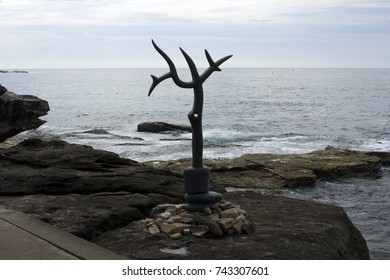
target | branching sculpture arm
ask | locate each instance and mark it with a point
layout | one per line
(171, 74)
(214, 66)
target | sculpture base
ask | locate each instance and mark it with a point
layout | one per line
(199, 201)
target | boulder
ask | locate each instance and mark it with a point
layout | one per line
(275, 171)
(2, 90)
(161, 127)
(19, 113)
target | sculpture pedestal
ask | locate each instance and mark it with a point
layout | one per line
(198, 195)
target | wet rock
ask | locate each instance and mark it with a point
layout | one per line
(162, 127)
(19, 113)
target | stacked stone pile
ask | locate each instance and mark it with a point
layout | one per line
(175, 221)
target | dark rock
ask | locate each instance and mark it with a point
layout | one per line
(2, 90)
(275, 171)
(283, 229)
(87, 216)
(19, 113)
(160, 127)
(57, 167)
(385, 157)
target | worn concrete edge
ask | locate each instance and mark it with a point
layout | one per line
(70, 243)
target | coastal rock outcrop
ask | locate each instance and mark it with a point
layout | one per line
(275, 171)
(2, 90)
(56, 167)
(19, 113)
(103, 198)
(162, 127)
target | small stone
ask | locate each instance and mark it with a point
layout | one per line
(225, 206)
(188, 215)
(147, 221)
(240, 218)
(180, 226)
(180, 206)
(187, 220)
(238, 227)
(213, 227)
(208, 211)
(176, 218)
(166, 215)
(159, 209)
(175, 236)
(158, 221)
(171, 209)
(186, 231)
(153, 229)
(230, 213)
(168, 228)
(226, 223)
(214, 217)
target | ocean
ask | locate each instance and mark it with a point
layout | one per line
(245, 111)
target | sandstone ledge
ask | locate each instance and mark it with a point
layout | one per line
(283, 229)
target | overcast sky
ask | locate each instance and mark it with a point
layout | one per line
(259, 33)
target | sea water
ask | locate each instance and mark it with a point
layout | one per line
(245, 111)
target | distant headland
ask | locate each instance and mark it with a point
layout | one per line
(14, 71)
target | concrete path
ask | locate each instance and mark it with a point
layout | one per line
(25, 238)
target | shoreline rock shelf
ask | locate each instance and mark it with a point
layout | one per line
(275, 171)
(103, 198)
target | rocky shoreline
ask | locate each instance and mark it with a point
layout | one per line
(136, 209)
(103, 198)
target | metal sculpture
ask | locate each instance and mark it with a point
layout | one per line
(196, 178)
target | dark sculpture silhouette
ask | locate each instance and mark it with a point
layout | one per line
(196, 178)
